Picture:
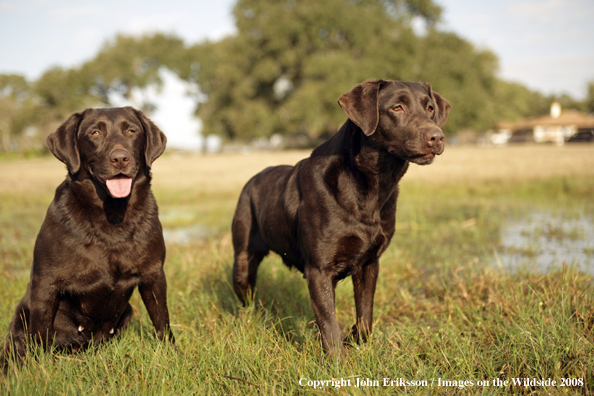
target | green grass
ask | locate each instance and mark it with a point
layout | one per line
(443, 308)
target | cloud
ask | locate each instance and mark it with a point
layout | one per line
(88, 36)
(65, 14)
(552, 73)
(545, 44)
(7, 6)
(556, 12)
(138, 24)
(185, 23)
(554, 21)
(16, 6)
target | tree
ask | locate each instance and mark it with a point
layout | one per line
(14, 86)
(17, 110)
(123, 64)
(127, 62)
(589, 101)
(290, 60)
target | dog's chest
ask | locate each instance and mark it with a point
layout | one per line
(361, 243)
(111, 274)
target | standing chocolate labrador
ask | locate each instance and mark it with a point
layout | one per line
(333, 214)
(101, 236)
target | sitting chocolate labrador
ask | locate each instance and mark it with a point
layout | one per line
(100, 239)
(333, 214)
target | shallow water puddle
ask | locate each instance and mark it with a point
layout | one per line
(544, 241)
(185, 235)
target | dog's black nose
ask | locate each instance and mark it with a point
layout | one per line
(119, 158)
(434, 137)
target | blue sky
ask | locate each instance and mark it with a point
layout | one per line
(547, 45)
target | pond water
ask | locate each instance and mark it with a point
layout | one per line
(538, 240)
(544, 241)
(185, 235)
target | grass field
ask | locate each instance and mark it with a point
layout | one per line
(450, 316)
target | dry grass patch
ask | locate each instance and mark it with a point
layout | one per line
(229, 172)
(512, 163)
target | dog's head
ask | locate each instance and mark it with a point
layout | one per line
(112, 145)
(404, 117)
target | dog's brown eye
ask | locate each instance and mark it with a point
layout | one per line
(131, 130)
(95, 133)
(398, 108)
(430, 109)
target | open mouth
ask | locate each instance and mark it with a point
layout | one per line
(119, 186)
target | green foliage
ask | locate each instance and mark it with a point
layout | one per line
(426, 9)
(589, 102)
(15, 93)
(64, 91)
(290, 61)
(567, 102)
(14, 86)
(463, 75)
(122, 65)
(127, 62)
(514, 101)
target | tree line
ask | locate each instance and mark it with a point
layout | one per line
(282, 72)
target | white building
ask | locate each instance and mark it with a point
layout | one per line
(556, 127)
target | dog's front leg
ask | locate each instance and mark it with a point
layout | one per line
(321, 292)
(43, 305)
(364, 283)
(154, 296)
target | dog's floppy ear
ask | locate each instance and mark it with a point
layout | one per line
(361, 105)
(62, 143)
(443, 106)
(443, 109)
(155, 139)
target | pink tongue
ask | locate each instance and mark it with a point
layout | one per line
(119, 186)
